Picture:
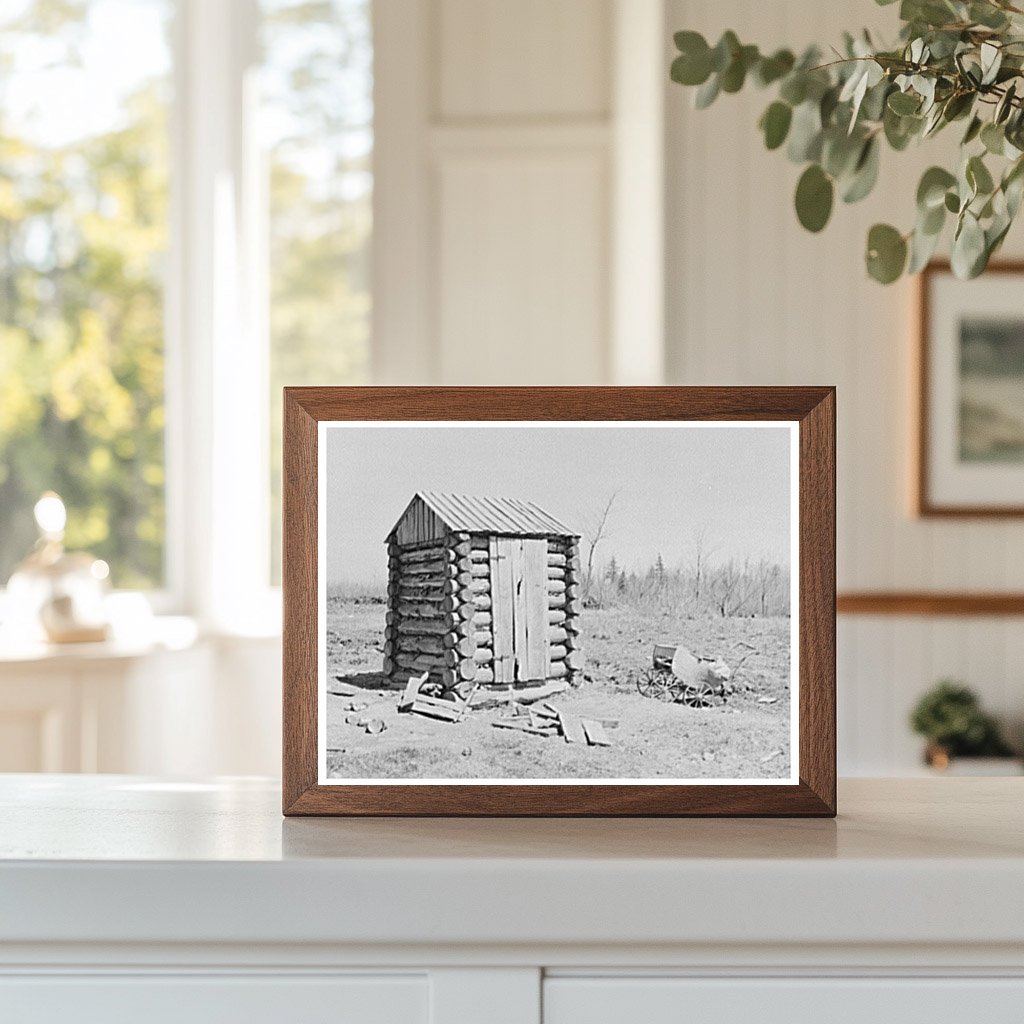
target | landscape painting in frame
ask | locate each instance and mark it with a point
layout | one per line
(554, 603)
(972, 393)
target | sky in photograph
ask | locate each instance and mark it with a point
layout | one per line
(668, 482)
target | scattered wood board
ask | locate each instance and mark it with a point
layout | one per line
(572, 728)
(341, 689)
(412, 690)
(437, 709)
(532, 693)
(519, 726)
(596, 735)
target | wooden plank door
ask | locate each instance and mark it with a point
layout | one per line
(501, 609)
(519, 609)
(532, 651)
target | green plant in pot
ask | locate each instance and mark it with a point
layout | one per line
(958, 66)
(950, 717)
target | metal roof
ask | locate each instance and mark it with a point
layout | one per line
(493, 515)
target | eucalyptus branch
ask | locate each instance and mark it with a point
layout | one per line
(955, 61)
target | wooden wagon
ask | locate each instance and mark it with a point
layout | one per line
(481, 592)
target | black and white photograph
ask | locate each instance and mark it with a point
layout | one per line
(551, 603)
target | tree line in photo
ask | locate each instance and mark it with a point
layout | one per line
(727, 588)
(705, 585)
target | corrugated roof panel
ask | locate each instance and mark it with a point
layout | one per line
(472, 514)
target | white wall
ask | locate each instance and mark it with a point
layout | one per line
(518, 239)
(502, 133)
(754, 299)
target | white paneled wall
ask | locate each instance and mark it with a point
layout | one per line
(496, 215)
(753, 299)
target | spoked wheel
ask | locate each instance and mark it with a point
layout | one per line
(700, 696)
(657, 684)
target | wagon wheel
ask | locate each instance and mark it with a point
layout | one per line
(699, 696)
(656, 684)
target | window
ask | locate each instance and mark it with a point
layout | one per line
(83, 235)
(185, 221)
(317, 87)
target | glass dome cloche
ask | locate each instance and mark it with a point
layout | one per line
(57, 595)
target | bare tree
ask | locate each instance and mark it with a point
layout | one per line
(767, 576)
(594, 532)
(731, 587)
(701, 551)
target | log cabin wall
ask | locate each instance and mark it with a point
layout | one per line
(440, 604)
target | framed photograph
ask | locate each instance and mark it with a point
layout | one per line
(970, 451)
(559, 601)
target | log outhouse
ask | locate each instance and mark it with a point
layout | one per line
(481, 591)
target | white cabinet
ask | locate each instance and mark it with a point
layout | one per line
(216, 1000)
(824, 1000)
(127, 899)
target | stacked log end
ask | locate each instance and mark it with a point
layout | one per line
(437, 619)
(564, 609)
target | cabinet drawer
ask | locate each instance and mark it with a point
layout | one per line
(202, 999)
(655, 1000)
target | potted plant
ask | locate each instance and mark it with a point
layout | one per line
(950, 718)
(957, 62)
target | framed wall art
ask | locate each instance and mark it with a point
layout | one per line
(970, 444)
(559, 601)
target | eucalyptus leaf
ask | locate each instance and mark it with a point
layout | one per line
(978, 176)
(931, 190)
(993, 138)
(814, 195)
(973, 130)
(1005, 105)
(724, 51)
(865, 173)
(904, 103)
(840, 152)
(991, 61)
(987, 15)
(775, 124)
(886, 253)
(707, 93)
(691, 70)
(957, 106)
(794, 88)
(805, 133)
(771, 69)
(735, 74)
(968, 248)
(922, 248)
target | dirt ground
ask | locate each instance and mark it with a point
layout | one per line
(746, 738)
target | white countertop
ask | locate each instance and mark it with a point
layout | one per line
(120, 859)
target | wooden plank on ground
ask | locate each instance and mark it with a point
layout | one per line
(519, 726)
(596, 735)
(412, 689)
(437, 709)
(340, 689)
(572, 728)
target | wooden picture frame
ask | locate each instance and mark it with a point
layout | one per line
(810, 414)
(940, 488)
